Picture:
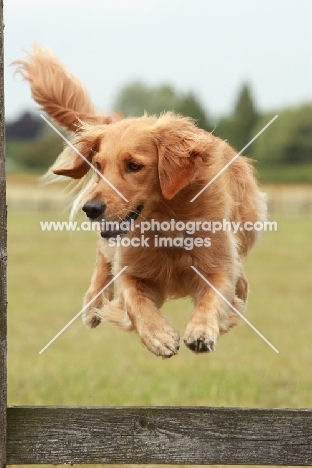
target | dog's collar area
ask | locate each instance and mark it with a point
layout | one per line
(132, 216)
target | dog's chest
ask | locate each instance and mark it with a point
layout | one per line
(168, 268)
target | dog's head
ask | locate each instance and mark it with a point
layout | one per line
(136, 162)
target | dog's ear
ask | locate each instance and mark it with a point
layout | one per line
(181, 152)
(176, 171)
(75, 160)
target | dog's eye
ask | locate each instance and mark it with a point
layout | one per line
(133, 166)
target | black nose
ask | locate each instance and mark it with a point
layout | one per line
(93, 208)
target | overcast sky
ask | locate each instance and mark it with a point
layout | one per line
(209, 47)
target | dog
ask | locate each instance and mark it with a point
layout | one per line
(153, 169)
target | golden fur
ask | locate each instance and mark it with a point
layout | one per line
(175, 160)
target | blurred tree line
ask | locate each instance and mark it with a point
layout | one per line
(287, 144)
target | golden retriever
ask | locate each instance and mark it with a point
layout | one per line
(158, 164)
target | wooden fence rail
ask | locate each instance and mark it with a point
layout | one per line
(159, 435)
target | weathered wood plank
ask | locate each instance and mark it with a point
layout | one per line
(159, 435)
(3, 260)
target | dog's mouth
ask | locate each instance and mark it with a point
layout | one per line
(119, 228)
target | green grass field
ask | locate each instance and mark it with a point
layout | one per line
(284, 174)
(47, 277)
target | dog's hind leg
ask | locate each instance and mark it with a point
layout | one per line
(239, 303)
(115, 313)
(241, 287)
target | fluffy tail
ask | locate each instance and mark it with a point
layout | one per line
(58, 92)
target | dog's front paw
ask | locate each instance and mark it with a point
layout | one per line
(92, 303)
(161, 338)
(200, 338)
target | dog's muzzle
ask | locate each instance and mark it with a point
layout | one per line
(119, 228)
(94, 209)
